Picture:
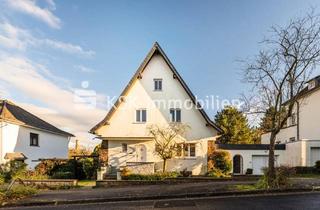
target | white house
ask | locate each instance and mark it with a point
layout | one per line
(302, 133)
(156, 94)
(298, 144)
(126, 141)
(25, 137)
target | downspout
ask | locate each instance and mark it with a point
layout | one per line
(298, 121)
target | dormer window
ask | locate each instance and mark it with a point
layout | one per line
(311, 85)
(157, 84)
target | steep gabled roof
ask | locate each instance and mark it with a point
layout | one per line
(10, 112)
(156, 49)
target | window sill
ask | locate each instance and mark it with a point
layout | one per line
(139, 122)
(34, 146)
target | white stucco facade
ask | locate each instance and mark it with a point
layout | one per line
(122, 127)
(302, 137)
(16, 138)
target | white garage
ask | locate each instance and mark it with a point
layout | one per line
(315, 155)
(258, 163)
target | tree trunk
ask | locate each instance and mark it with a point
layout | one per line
(271, 169)
(164, 166)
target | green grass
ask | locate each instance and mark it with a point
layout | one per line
(307, 176)
(243, 187)
(86, 183)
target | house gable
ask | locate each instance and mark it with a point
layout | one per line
(156, 65)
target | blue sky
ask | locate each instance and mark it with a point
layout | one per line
(48, 48)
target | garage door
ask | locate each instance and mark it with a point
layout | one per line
(259, 162)
(315, 155)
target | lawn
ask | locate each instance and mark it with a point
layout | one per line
(86, 183)
(243, 187)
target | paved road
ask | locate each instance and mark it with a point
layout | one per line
(272, 202)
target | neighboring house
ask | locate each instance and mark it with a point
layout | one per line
(298, 144)
(25, 137)
(124, 129)
(302, 132)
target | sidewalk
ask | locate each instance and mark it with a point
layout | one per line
(184, 190)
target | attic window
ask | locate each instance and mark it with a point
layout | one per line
(157, 84)
(141, 116)
(311, 85)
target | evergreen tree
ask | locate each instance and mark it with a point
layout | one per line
(235, 126)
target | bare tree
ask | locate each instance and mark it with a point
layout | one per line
(280, 72)
(166, 139)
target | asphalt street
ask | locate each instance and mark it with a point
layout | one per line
(304, 201)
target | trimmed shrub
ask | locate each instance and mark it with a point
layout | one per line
(305, 170)
(62, 175)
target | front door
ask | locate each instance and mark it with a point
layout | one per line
(237, 164)
(141, 153)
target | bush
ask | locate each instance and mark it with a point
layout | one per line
(89, 167)
(12, 170)
(151, 177)
(318, 166)
(217, 173)
(16, 192)
(305, 170)
(219, 162)
(62, 175)
(125, 172)
(185, 173)
(283, 173)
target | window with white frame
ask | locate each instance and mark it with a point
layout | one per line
(175, 115)
(141, 115)
(157, 84)
(186, 150)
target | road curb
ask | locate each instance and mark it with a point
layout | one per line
(161, 197)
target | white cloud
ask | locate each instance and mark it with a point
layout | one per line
(67, 47)
(84, 69)
(31, 8)
(17, 38)
(24, 76)
(14, 37)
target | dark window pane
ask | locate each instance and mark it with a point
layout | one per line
(144, 115)
(34, 139)
(172, 115)
(124, 147)
(185, 150)
(137, 115)
(192, 150)
(160, 85)
(178, 115)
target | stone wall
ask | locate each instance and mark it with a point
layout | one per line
(140, 168)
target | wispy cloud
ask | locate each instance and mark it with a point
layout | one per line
(31, 8)
(27, 78)
(67, 47)
(17, 38)
(84, 69)
(14, 37)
